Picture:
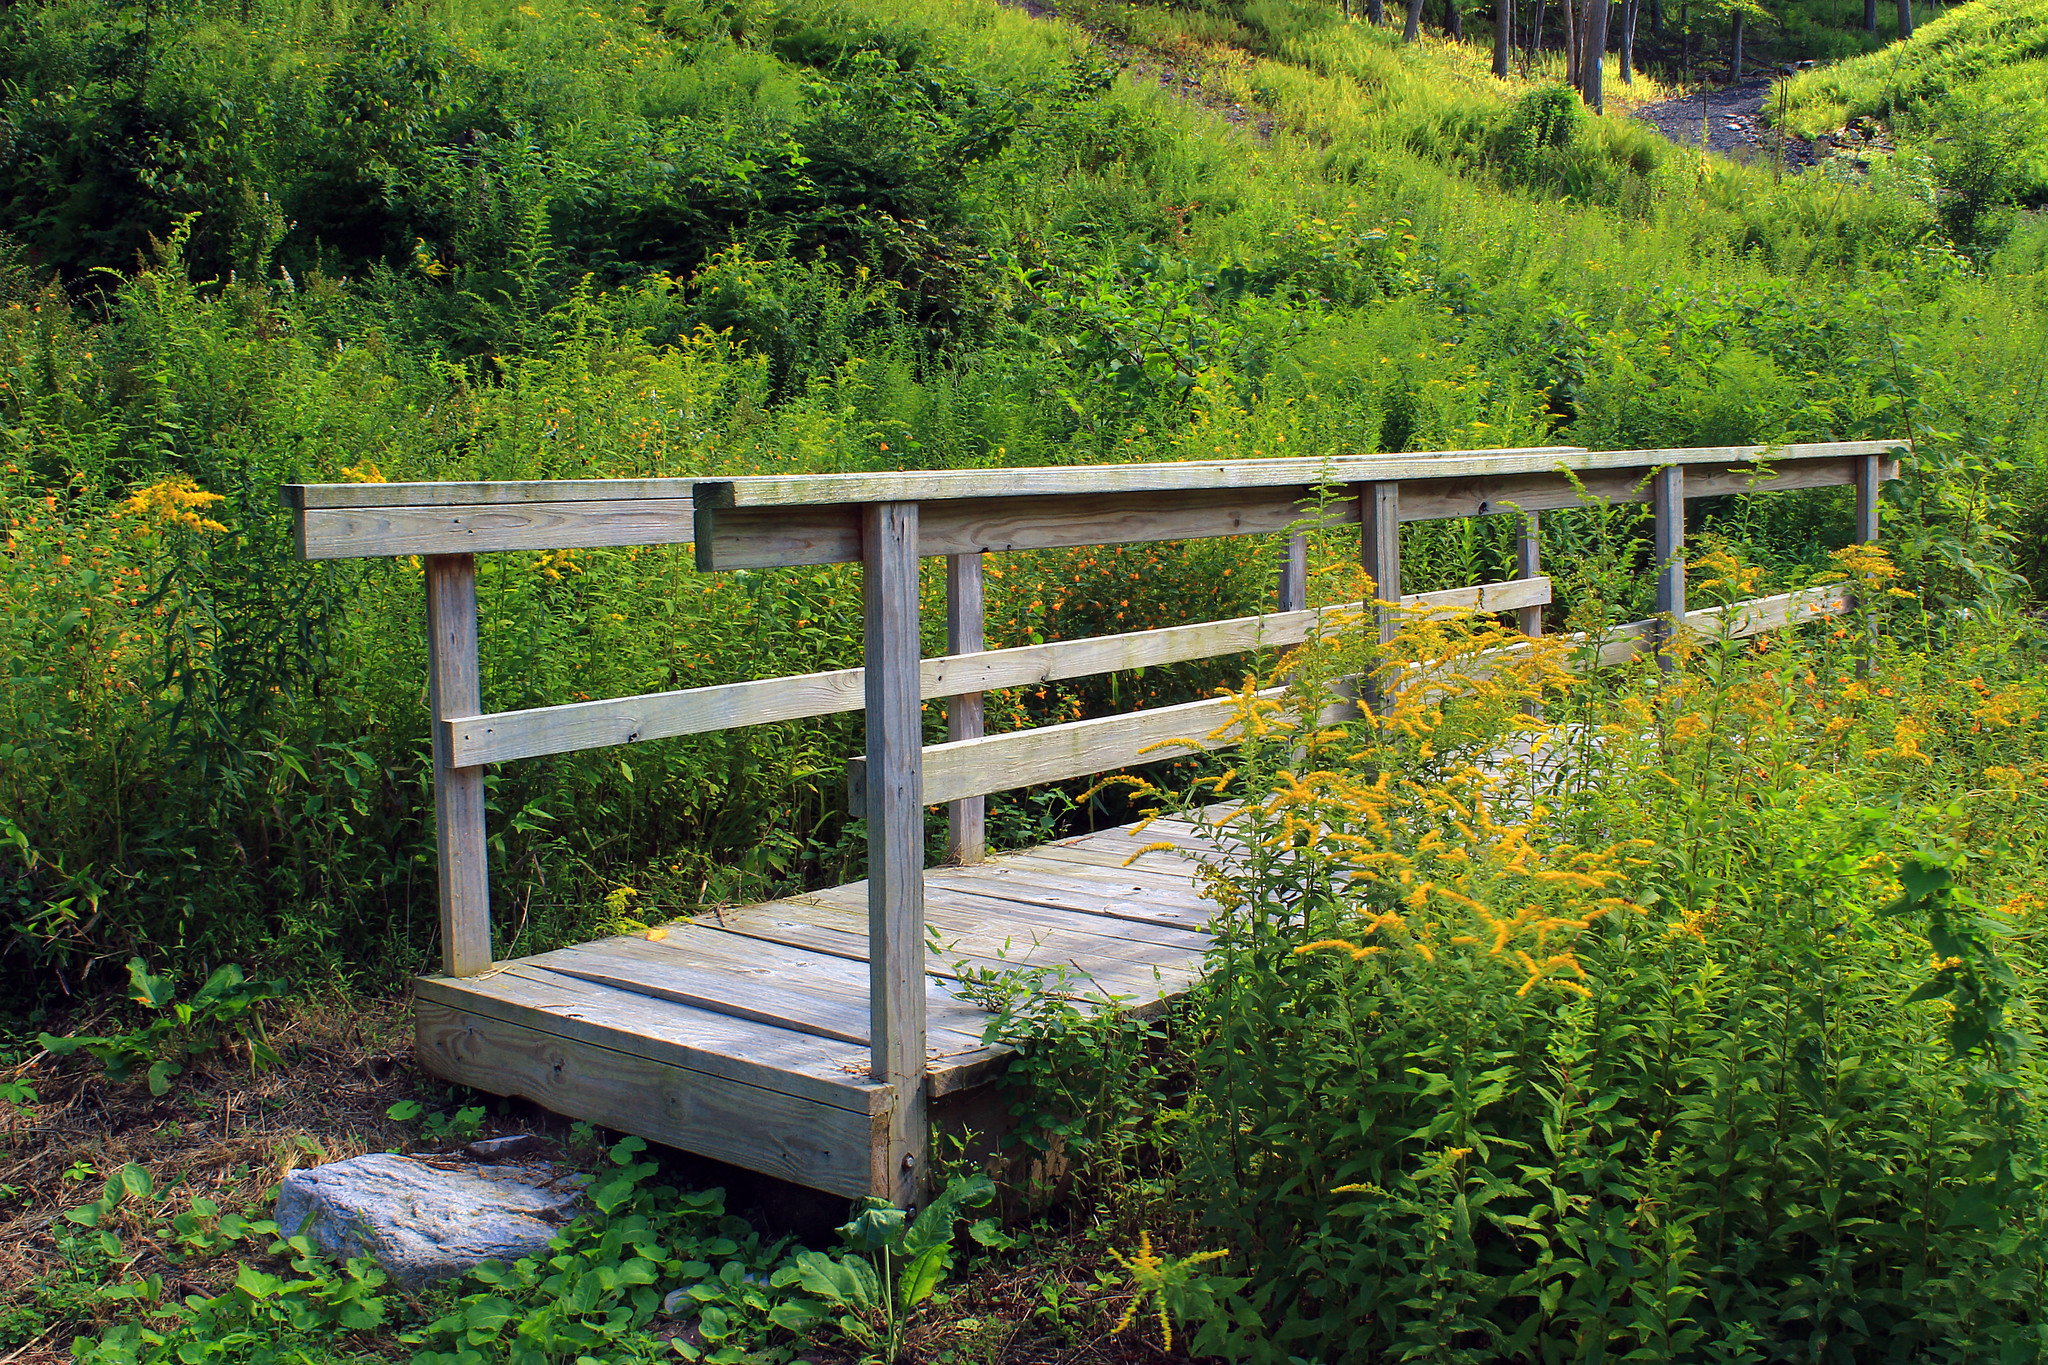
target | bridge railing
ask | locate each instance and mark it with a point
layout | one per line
(888, 522)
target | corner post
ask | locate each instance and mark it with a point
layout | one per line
(1294, 574)
(1667, 503)
(454, 689)
(895, 787)
(966, 820)
(1529, 564)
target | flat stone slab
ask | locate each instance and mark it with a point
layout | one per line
(425, 1221)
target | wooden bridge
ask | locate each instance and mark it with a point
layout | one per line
(815, 1038)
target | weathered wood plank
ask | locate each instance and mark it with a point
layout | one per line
(1100, 480)
(967, 820)
(982, 916)
(1870, 477)
(1529, 564)
(1293, 589)
(366, 532)
(1667, 503)
(791, 1138)
(305, 497)
(663, 1031)
(508, 735)
(895, 811)
(1380, 537)
(454, 688)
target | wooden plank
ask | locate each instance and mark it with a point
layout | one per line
(1293, 592)
(508, 735)
(676, 1035)
(827, 975)
(678, 968)
(983, 916)
(1380, 536)
(795, 490)
(794, 1139)
(302, 497)
(454, 688)
(1870, 477)
(1529, 564)
(895, 812)
(1667, 504)
(1101, 480)
(1119, 911)
(966, 820)
(363, 532)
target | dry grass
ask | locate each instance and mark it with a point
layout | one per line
(225, 1132)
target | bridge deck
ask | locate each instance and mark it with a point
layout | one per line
(743, 1034)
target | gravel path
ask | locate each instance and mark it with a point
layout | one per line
(1732, 119)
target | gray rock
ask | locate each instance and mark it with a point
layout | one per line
(424, 1222)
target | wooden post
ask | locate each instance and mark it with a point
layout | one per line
(1294, 574)
(1869, 484)
(1379, 508)
(1667, 502)
(1529, 564)
(455, 689)
(966, 821)
(895, 790)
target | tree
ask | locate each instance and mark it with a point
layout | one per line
(1375, 12)
(1735, 48)
(1412, 30)
(1454, 21)
(1504, 35)
(1592, 37)
(1629, 10)
(1870, 16)
(1905, 18)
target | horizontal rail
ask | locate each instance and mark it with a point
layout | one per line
(812, 490)
(813, 519)
(508, 735)
(786, 536)
(1054, 753)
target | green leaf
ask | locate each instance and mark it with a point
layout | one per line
(153, 991)
(405, 1111)
(922, 1276)
(135, 1180)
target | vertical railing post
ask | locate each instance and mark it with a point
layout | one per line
(1379, 509)
(454, 688)
(1294, 574)
(1380, 516)
(1529, 564)
(895, 791)
(1667, 505)
(966, 820)
(1869, 484)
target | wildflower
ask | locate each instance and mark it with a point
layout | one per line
(1156, 1277)
(175, 501)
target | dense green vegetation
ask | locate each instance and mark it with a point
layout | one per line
(1721, 1057)
(1969, 95)
(573, 241)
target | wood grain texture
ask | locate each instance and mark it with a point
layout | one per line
(966, 820)
(1529, 564)
(1870, 477)
(785, 1136)
(926, 486)
(454, 688)
(299, 497)
(895, 812)
(1293, 591)
(508, 735)
(366, 532)
(1103, 479)
(1667, 506)
(696, 1040)
(1380, 546)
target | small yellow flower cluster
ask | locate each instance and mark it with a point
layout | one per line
(555, 563)
(175, 501)
(1156, 1277)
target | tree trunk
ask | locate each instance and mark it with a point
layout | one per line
(1657, 18)
(1454, 21)
(1905, 18)
(1571, 44)
(1870, 16)
(1628, 40)
(1412, 30)
(1375, 12)
(1735, 47)
(1592, 56)
(1504, 35)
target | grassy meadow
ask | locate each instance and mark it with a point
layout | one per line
(1742, 989)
